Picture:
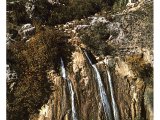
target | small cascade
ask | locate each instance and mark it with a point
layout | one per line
(103, 96)
(114, 105)
(63, 70)
(74, 115)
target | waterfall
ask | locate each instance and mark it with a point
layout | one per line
(114, 105)
(74, 116)
(103, 96)
(63, 70)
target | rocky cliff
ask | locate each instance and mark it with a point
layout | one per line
(119, 46)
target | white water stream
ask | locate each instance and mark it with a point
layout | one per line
(103, 96)
(114, 105)
(74, 115)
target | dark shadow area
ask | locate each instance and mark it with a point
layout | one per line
(17, 13)
(90, 55)
(64, 51)
(143, 110)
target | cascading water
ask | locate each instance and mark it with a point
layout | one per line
(74, 116)
(114, 106)
(103, 96)
(63, 70)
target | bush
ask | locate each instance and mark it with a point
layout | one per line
(67, 10)
(30, 61)
(30, 93)
(18, 14)
(46, 13)
(42, 11)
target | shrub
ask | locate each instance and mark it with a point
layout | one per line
(67, 10)
(18, 15)
(46, 13)
(30, 61)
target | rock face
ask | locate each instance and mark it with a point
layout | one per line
(132, 92)
(26, 31)
(120, 47)
(128, 92)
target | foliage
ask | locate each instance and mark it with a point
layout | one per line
(41, 13)
(30, 61)
(67, 10)
(17, 13)
(52, 14)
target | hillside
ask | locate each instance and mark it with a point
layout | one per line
(79, 60)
